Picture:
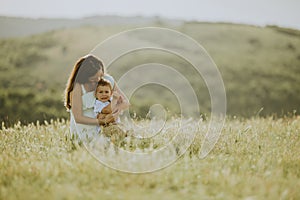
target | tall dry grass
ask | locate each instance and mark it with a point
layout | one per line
(254, 158)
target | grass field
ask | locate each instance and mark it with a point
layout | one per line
(255, 158)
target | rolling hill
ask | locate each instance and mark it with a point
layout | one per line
(260, 66)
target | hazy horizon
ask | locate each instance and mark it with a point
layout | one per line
(283, 13)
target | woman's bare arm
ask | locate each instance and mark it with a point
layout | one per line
(122, 101)
(76, 103)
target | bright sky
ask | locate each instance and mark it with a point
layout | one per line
(284, 13)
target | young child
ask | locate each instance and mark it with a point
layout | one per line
(103, 94)
(103, 104)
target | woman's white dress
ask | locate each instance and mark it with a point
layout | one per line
(83, 131)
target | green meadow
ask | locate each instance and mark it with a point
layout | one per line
(260, 67)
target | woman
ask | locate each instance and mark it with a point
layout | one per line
(80, 98)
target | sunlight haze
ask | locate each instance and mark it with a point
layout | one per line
(268, 12)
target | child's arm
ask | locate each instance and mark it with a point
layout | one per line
(104, 115)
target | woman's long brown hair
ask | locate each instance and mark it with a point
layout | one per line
(83, 69)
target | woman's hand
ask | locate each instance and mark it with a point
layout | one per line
(105, 119)
(107, 109)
